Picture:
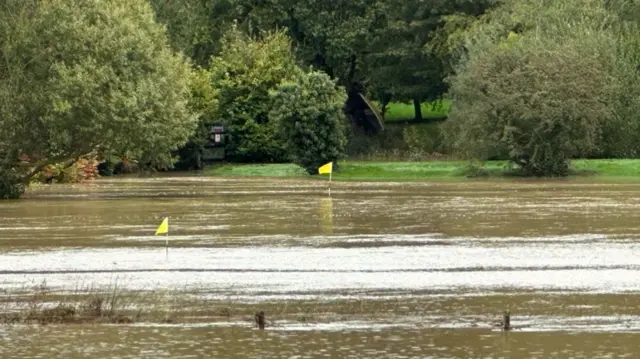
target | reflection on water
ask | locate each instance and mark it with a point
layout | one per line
(375, 270)
(326, 215)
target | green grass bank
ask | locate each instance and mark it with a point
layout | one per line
(619, 169)
(397, 111)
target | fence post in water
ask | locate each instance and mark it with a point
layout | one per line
(260, 320)
(506, 322)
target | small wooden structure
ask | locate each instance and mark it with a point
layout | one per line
(214, 149)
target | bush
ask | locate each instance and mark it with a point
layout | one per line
(310, 117)
(537, 101)
(399, 142)
(11, 186)
(424, 138)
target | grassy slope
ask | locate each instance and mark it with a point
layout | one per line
(404, 111)
(421, 171)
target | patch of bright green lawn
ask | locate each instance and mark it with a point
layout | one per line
(403, 171)
(397, 111)
(609, 168)
(361, 170)
(251, 169)
(427, 170)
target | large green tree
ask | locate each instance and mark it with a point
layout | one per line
(242, 76)
(196, 27)
(310, 117)
(88, 76)
(410, 54)
(538, 85)
(392, 49)
(333, 36)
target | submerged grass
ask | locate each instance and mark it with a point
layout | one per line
(40, 305)
(437, 170)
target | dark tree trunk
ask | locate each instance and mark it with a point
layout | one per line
(417, 109)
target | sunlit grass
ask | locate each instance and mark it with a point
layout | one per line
(397, 111)
(628, 169)
(267, 170)
(363, 170)
(609, 168)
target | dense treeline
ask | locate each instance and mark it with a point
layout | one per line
(139, 81)
(389, 50)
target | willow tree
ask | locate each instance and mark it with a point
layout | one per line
(87, 76)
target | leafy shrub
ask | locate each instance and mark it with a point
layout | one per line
(537, 101)
(309, 113)
(11, 186)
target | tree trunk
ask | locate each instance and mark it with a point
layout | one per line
(417, 109)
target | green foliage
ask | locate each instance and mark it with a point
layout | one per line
(11, 186)
(424, 138)
(309, 113)
(83, 76)
(195, 27)
(242, 76)
(409, 141)
(538, 97)
(203, 103)
(410, 53)
(621, 135)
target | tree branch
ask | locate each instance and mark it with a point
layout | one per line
(68, 161)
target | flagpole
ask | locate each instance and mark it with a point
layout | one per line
(164, 229)
(330, 173)
(167, 241)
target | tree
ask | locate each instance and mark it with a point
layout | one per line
(540, 96)
(242, 76)
(621, 136)
(203, 102)
(310, 117)
(88, 76)
(196, 27)
(410, 56)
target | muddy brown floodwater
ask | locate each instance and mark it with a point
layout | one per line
(385, 270)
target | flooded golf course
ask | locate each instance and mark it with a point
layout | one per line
(375, 270)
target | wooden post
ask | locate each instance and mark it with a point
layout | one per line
(260, 320)
(506, 322)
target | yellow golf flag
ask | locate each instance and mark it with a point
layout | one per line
(328, 168)
(164, 227)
